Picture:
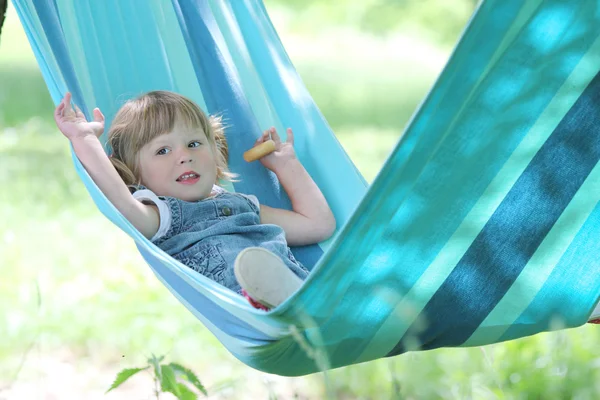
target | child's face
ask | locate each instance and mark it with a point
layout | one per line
(179, 164)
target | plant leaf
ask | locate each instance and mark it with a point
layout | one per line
(123, 376)
(154, 361)
(189, 375)
(185, 393)
(168, 383)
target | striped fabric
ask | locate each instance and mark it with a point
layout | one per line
(482, 226)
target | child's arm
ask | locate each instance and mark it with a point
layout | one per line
(311, 220)
(84, 138)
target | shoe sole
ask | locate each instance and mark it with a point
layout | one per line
(265, 277)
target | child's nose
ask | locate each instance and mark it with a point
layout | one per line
(185, 157)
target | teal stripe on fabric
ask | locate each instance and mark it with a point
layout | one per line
(179, 66)
(97, 60)
(436, 203)
(452, 166)
(569, 306)
(460, 77)
(285, 90)
(540, 267)
(74, 45)
(150, 72)
(241, 63)
(40, 46)
(252, 85)
(48, 15)
(518, 227)
(520, 21)
(118, 53)
(516, 299)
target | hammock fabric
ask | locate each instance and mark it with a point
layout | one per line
(482, 226)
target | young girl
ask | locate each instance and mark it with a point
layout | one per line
(172, 156)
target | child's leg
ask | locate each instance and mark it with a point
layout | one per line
(265, 277)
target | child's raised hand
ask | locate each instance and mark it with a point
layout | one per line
(284, 151)
(72, 123)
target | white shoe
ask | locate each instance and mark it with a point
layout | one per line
(265, 277)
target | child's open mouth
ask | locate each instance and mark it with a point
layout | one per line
(188, 178)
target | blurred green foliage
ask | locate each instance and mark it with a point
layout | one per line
(440, 20)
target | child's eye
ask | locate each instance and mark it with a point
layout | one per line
(162, 151)
(195, 143)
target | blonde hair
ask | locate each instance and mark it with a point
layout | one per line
(153, 114)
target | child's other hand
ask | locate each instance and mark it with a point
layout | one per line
(72, 123)
(284, 151)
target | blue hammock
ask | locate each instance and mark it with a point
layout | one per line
(482, 226)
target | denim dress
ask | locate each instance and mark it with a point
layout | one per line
(207, 235)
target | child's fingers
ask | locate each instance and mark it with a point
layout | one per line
(66, 102)
(290, 136)
(275, 135)
(78, 112)
(58, 111)
(66, 111)
(98, 116)
(263, 138)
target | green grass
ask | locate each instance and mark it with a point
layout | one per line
(75, 287)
